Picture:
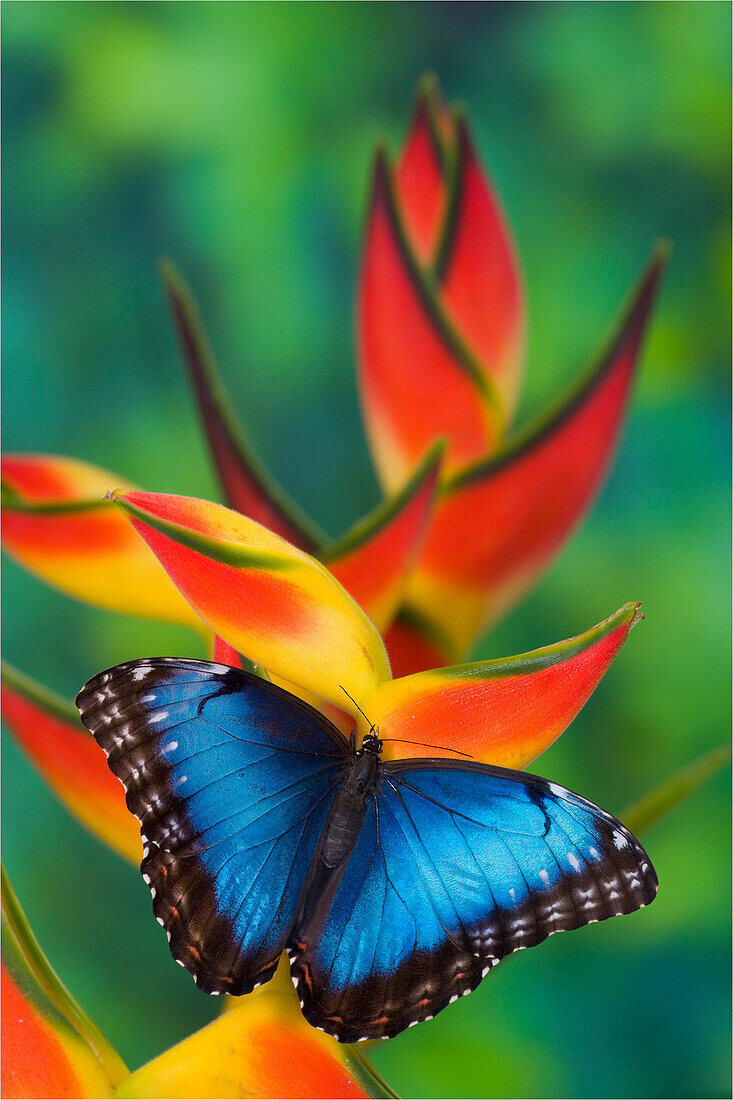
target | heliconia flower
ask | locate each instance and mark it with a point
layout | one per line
(373, 558)
(49, 731)
(281, 613)
(440, 335)
(260, 1046)
(455, 227)
(56, 523)
(419, 380)
(261, 595)
(439, 340)
(503, 712)
(50, 1047)
(520, 504)
(474, 512)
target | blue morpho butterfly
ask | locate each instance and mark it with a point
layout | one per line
(393, 887)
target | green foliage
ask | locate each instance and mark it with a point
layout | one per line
(657, 803)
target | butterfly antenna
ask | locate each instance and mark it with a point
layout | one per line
(402, 740)
(353, 700)
(443, 748)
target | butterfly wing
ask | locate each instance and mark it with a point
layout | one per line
(456, 866)
(231, 779)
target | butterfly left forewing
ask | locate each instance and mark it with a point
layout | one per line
(457, 866)
(231, 780)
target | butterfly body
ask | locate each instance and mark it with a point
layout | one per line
(394, 887)
(346, 817)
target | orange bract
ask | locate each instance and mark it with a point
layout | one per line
(503, 712)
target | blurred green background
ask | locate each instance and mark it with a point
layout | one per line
(237, 138)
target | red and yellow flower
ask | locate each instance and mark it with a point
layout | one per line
(473, 512)
(260, 1046)
(440, 338)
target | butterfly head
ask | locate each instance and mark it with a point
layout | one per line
(372, 743)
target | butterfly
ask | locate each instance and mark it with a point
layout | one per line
(393, 886)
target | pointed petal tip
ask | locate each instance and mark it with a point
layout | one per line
(428, 101)
(633, 327)
(459, 110)
(174, 283)
(507, 711)
(638, 614)
(629, 612)
(428, 88)
(167, 268)
(435, 453)
(642, 298)
(662, 251)
(380, 173)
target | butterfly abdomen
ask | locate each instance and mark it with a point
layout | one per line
(339, 836)
(347, 814)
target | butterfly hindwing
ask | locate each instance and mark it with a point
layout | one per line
(455, 867)
(231, 779)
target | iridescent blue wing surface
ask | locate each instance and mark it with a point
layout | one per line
(231, 779)
(456, 866)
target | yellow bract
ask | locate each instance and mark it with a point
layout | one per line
(260, 1046)
(269, 600)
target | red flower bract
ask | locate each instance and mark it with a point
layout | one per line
(473, 513)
